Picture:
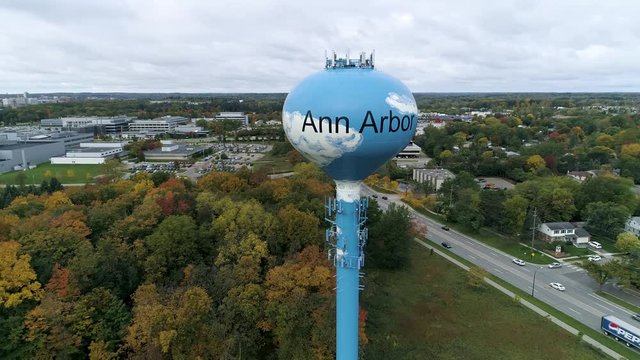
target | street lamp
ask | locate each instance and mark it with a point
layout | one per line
(533, 287)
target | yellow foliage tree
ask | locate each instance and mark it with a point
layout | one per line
(535, 162)
(71, 173)
(17, 278)
(605, 140)
(47, 173)
(7, 223)
(57, 200)
(631, 150)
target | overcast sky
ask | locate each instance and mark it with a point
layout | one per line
(268, 45)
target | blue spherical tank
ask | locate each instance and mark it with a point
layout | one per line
(350, 120)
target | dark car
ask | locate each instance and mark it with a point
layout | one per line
(374, 196)
(446, 244)
(636, 317)
(445, 228)
(385, 198)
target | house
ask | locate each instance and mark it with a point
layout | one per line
(564, 231)
(581, 237)
(633, 225)
(581, 176)
(556, 231)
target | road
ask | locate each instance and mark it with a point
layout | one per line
(579, 301)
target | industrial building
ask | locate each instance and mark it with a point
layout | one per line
(90, 153)
(21, 156)
(433, 176)
(70, 139)
(171, 151)
(100, 124)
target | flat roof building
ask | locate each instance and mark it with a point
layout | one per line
(235, 116)
(90, 153)
(165, 124)
(171, 151)
(101, 124)
(21, 156)
(435, 177)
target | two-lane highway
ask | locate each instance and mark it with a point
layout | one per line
(578, 300)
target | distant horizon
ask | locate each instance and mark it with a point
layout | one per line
(279, 92)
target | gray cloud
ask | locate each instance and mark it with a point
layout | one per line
(268, 46)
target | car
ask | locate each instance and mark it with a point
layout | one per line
(594, 258)
(595, 244)
(374, 196)
(385, 198)
(445, 228)
(557, 286)
(555, 265)
(636, 317)
(446, 244)
(519, 262)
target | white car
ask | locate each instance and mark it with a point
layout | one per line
(557, 286)
(555, 265)
(519, 262)
(594, 258)
(595, 244)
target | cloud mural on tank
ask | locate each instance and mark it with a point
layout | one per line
(350, 121)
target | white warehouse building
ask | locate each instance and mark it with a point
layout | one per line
(90, 153)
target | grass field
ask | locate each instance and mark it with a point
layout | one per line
(274, 164)
(429, 312)
(66, 174)
(615, 299)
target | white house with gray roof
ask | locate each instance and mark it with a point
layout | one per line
(563, 231)
(633, 225)
(556, 231)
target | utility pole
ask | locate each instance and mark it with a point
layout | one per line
(533, 231)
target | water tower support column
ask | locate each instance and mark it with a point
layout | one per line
(348, 258)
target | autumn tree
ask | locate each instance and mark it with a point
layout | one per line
(535, 163)
(173, 245)
(627, 242)
(112, 170)
(299, 296)
(515, 213)
(600, 273)
(17, 278)
(296, 230)
(176, 325)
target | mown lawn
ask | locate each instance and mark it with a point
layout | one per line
(66, 174)
(430, 312)
(274, 164)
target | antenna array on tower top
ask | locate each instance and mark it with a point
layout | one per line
(363, 62)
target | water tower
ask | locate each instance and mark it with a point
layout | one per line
(349, 119)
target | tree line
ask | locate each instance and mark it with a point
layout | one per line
(231, 267)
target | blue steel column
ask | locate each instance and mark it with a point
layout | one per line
(347, 289)
(347, 238)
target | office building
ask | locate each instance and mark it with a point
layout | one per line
(165, 124)
(234, 116)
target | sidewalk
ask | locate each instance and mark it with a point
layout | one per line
(589, 340)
